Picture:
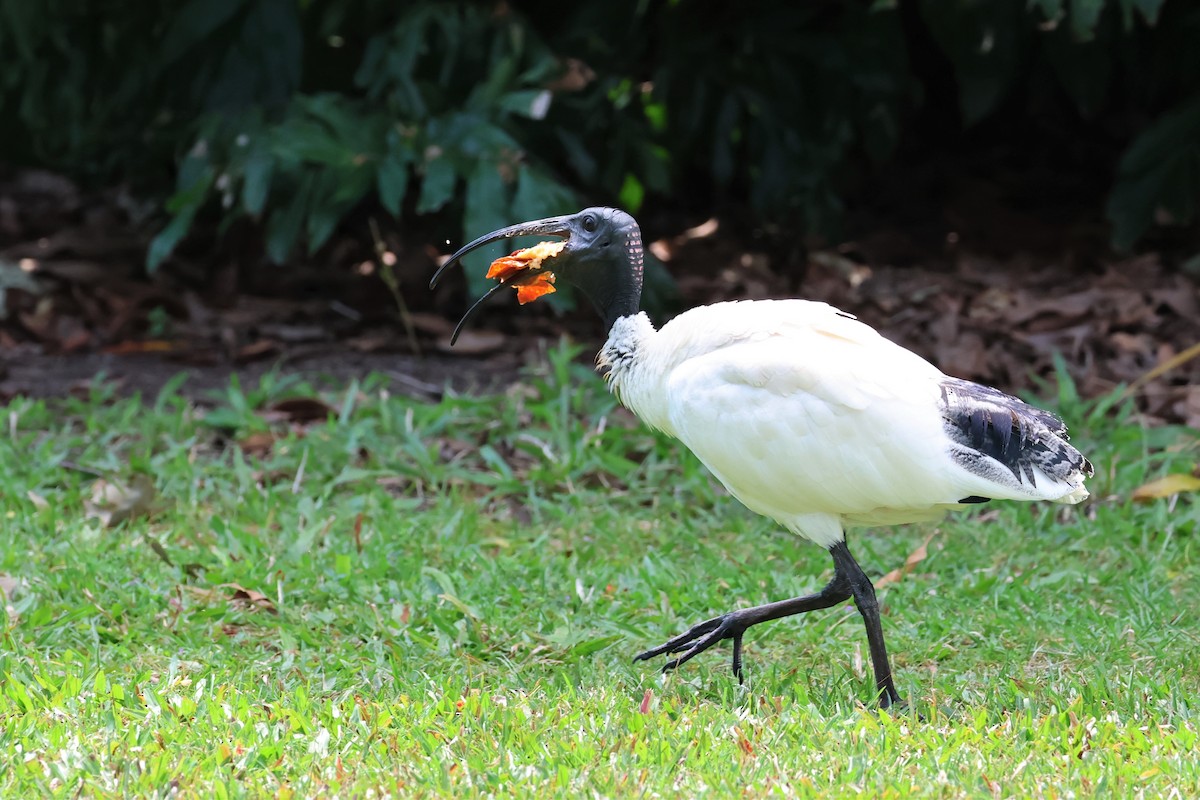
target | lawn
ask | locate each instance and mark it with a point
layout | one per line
(415, 599)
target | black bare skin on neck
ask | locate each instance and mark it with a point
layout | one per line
(607, 262)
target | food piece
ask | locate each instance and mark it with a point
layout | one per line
(523, 270)
(529, 258)
(540, 283)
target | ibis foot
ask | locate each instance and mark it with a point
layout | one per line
(704, 635)
(735, 623)
(893, 703)
(849, 581)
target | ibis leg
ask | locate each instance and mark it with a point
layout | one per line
(699, 638)
(848, 581)
(864, 597)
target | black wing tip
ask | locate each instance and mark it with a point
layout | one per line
(1010, 431)
(989, 395)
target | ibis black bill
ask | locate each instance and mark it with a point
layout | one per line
(551, 226)
(600, 256)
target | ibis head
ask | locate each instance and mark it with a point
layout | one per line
(601, 254)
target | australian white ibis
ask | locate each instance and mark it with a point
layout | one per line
(804, 414)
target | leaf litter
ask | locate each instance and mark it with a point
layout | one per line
(986, 292)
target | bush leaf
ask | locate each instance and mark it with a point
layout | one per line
(392, 182)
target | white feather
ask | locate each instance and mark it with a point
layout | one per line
(805, 414)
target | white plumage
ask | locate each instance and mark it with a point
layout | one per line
(805, 414)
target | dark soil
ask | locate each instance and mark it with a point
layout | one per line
(989, 279)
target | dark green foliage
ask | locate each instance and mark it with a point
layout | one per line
(1159, 172)
(1131, 57)
(995, 45)
(71, 91)
(426, 103)
(295, 113)
(759, 101)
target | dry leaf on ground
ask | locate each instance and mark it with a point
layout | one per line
(247, 599)
(250, 599)
(473, 343)
(113, 502)
(256, 350)
(914, 558)
(1166, 486)
(10, 584)
(257, 444)
(300, 410)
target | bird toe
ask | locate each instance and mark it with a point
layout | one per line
(697, 639)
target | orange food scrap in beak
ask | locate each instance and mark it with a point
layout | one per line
(540, 283)
(530, 258)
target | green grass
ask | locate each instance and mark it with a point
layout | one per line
(451, 596)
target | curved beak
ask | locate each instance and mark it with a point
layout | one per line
(551, 226)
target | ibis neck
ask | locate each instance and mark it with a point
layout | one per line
(615, 284)
(621, 305)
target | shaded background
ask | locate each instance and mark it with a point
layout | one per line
(1009, 188)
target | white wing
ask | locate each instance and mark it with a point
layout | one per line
(813, 417)
(835, 428)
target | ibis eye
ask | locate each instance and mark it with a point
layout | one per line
(589, 223)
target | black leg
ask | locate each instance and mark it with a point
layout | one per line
(848, 581)
(735, 623)
(864, 597)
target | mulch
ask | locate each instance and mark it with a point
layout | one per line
(77, 302)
